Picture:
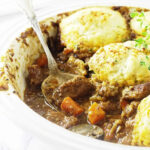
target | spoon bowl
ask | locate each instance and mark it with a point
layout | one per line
(51, 83)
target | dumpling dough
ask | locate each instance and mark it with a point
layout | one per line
(136, 25)
(121, 64)
(90, 28)
(141, 131)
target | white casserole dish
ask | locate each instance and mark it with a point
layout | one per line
(28, 120)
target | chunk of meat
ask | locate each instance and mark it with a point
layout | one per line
(120, 130)
(35, 75)
(77, 66)
(111, 128)
(111, 107)
(83, 55)
(128, 116)
(130, 110)
(116, 131)
(108, 90)
(104, 91)
(77, 88)
(62, 120)
(137, 92)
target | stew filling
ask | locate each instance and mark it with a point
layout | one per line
(86, 99)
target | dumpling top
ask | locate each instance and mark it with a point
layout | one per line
(141, 131)
(91, 28)
(121, 64)
(140, 22)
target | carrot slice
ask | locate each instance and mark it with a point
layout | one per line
(70, 106)
(67, 51)
(95, 113)
(42, 60)
(123, 104)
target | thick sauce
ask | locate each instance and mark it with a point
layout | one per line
(118, 123)
(119, 104)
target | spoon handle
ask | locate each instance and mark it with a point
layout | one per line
(27, 9)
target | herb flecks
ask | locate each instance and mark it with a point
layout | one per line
(142, 42)
(116, 60)
(140, 15)
(134, 14)
(144, 34)
(142, 63)
(146, 64)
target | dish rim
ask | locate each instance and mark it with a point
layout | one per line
(30, 118)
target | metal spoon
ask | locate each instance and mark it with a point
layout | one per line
(56, 77)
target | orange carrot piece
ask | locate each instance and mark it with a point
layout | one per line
(42, 60)
(123, 104)
(70, 106)
(67, 51)
(95, 113)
